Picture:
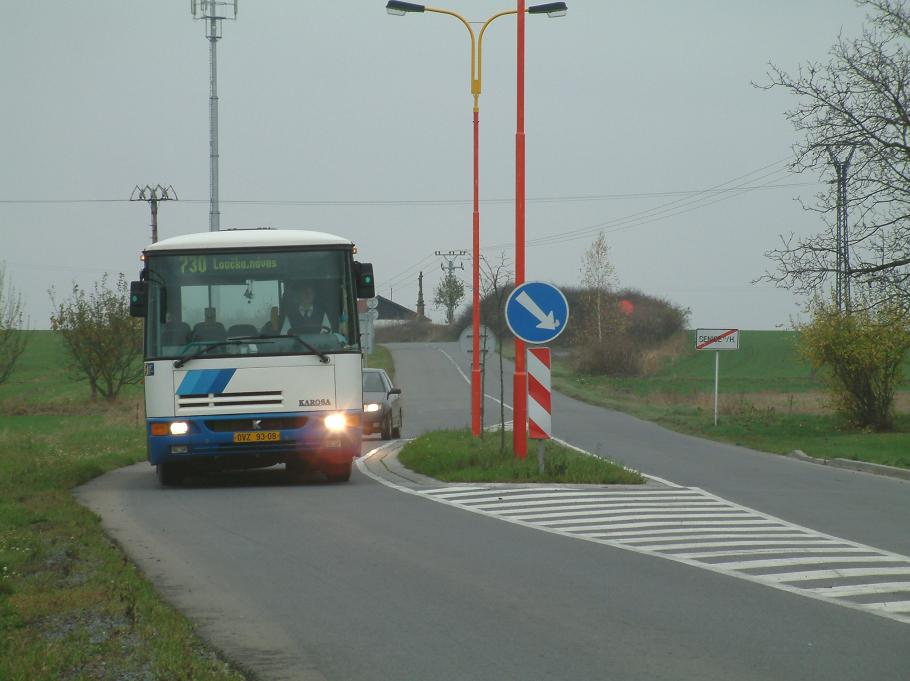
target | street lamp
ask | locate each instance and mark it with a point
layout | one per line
(551, 9)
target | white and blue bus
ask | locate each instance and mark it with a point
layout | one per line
(252, 351)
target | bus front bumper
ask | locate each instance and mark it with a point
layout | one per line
(255, 440)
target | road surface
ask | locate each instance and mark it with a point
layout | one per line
(365, 581)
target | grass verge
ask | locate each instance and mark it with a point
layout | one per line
(72, 606)
(455, 456)
(777, 422)
(381, 358)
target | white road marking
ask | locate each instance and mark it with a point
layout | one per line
(783, 539)
(691, 526)
(754, 564)
(814, 575)
(829, 550)
(863, 589)
(684, 530)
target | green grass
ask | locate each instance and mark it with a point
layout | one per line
(381, 358)
(71, 605)
(769, 400)
(455, 456)
(41, 381)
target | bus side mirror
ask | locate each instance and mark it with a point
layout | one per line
(366, 286)
(139, 293)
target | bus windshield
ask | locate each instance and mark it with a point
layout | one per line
(217, 304)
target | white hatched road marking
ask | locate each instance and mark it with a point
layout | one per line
(691, 526)
(677, 540)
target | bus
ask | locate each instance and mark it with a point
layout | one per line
(252, 352)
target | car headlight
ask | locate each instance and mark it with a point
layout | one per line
(372, 406)
(336, 422)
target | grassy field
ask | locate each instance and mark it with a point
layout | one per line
(769, 400)
(455, 456)
(71, 605)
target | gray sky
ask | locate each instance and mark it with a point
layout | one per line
(326, 107)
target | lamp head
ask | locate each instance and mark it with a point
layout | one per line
(551, 9)
(399, 9)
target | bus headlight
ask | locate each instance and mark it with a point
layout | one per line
(372, 406)
(336, 422)
(179, 428)
(173, 428)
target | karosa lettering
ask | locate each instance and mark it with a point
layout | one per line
(322, 402)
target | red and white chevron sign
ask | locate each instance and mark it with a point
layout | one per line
(539, 408)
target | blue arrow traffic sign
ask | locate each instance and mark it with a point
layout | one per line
(536, 312)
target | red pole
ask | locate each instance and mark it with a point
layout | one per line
(476, 395)
(520, 382)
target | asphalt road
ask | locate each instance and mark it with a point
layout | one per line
(866, 508)
(361, 581)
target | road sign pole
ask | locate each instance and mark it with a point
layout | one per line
(536, 312)
(716, 378)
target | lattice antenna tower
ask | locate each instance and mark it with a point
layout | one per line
(213, 12)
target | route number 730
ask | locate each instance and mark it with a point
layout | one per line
(192, 263)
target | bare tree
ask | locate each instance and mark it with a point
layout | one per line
(496, 281)
(12, 326)
(103, 343)
(858, 100)
(448, 294)
(598, 276)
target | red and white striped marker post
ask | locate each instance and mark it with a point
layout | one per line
(539, 402)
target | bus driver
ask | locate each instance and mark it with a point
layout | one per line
(301, 312)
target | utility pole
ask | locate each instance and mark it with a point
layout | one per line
(842, 274)
(451, 258)
(213, 12)
(152, 195)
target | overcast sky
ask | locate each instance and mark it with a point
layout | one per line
(338, 117)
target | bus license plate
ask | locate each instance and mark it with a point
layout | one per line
(258, 436)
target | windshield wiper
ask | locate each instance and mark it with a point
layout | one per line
(324, 358)
(214, 344)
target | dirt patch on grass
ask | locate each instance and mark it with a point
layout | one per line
(816, 403)
(784, 403)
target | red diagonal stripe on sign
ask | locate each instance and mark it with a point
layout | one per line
(538, 393)
(543, 354)
(702, 346)
(535, 432)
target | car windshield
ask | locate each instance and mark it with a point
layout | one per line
(372, 383)
(251, 303)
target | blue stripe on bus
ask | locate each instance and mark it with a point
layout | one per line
(205, 381)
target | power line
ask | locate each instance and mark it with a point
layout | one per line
(640, 218)
(684, 193)
(429, 202)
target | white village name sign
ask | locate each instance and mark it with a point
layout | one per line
(716, 339)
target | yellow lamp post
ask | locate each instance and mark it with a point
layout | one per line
(552, 9)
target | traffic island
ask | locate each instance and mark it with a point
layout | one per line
(456, 456)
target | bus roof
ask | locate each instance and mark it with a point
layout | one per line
(248, 238)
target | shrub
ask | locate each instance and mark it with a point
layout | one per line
(652, 320)
(102, 341)
(617, 356)
(862, 352)
(12, 320)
